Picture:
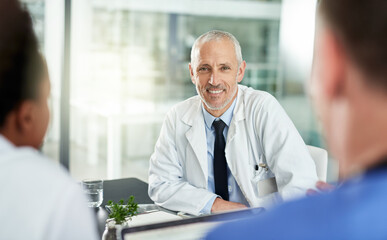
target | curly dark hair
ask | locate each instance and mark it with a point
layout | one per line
(21, 65)
(361, 26)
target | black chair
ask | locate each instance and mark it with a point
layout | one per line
(118, 189)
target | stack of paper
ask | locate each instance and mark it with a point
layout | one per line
(152, 217)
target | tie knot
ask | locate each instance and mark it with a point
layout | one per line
(219, 126)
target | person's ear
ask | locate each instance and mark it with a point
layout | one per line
(334, 62)
(25, 116)
(241, 71)
(191, 73)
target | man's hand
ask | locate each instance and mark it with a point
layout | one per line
(322, 187)
(220, 205)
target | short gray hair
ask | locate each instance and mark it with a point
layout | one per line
(217, 35)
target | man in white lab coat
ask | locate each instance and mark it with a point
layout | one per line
(262, 159)
(38, 200)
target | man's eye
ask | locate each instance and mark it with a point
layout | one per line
(203, 69)
(225, 68)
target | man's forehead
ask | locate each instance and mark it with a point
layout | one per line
(222, 51)
(223, 43)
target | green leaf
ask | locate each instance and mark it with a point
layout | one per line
(120, 211)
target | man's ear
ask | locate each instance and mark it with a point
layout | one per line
(241, 71)
(25, 116)
(334, 65)
(191, 73)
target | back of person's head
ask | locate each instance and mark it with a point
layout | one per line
(361, 28)
(349, 81)
(21, 66)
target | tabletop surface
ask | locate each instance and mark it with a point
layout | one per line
(184, 228)
(118, 189)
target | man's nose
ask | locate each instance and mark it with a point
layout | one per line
(214, 79)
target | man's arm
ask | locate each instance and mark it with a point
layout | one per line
(167, 184)
(221, 205)
(321, 187)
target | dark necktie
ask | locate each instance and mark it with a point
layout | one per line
(220, 164)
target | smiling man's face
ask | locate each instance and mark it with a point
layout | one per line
(216, 74)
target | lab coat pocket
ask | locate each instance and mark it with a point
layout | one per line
(267, 186)
(264, 182)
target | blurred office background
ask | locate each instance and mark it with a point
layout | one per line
(128, 65)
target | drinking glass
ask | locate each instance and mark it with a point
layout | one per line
(93, 189)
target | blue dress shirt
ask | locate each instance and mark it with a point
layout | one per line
(235, 193)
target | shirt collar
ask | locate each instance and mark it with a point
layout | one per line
(226, 116)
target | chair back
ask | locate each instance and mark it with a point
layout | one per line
(320, 158)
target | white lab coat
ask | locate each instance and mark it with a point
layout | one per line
(39, 200)
(260, 133)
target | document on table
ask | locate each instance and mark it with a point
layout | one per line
(152, 217)
(193, 231)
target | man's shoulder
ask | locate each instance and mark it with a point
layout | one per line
(341, 214)
(31, 163)
(31, 172)
(249, 91)
(38, 187)
(251, 95)
(353, 205)
(256, 101)
(354, 196)
(183, 107)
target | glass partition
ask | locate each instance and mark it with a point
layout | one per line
(129, 66)
(42, 13)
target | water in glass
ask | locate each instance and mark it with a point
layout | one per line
(94, 192)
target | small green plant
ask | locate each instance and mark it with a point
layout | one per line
(120, 211)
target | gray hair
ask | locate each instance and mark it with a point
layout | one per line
(216, 35)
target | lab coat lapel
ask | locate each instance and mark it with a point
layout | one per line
(234, 134)
(196, 136)
(239, 115)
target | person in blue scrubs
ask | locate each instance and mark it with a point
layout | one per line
(349, 90)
